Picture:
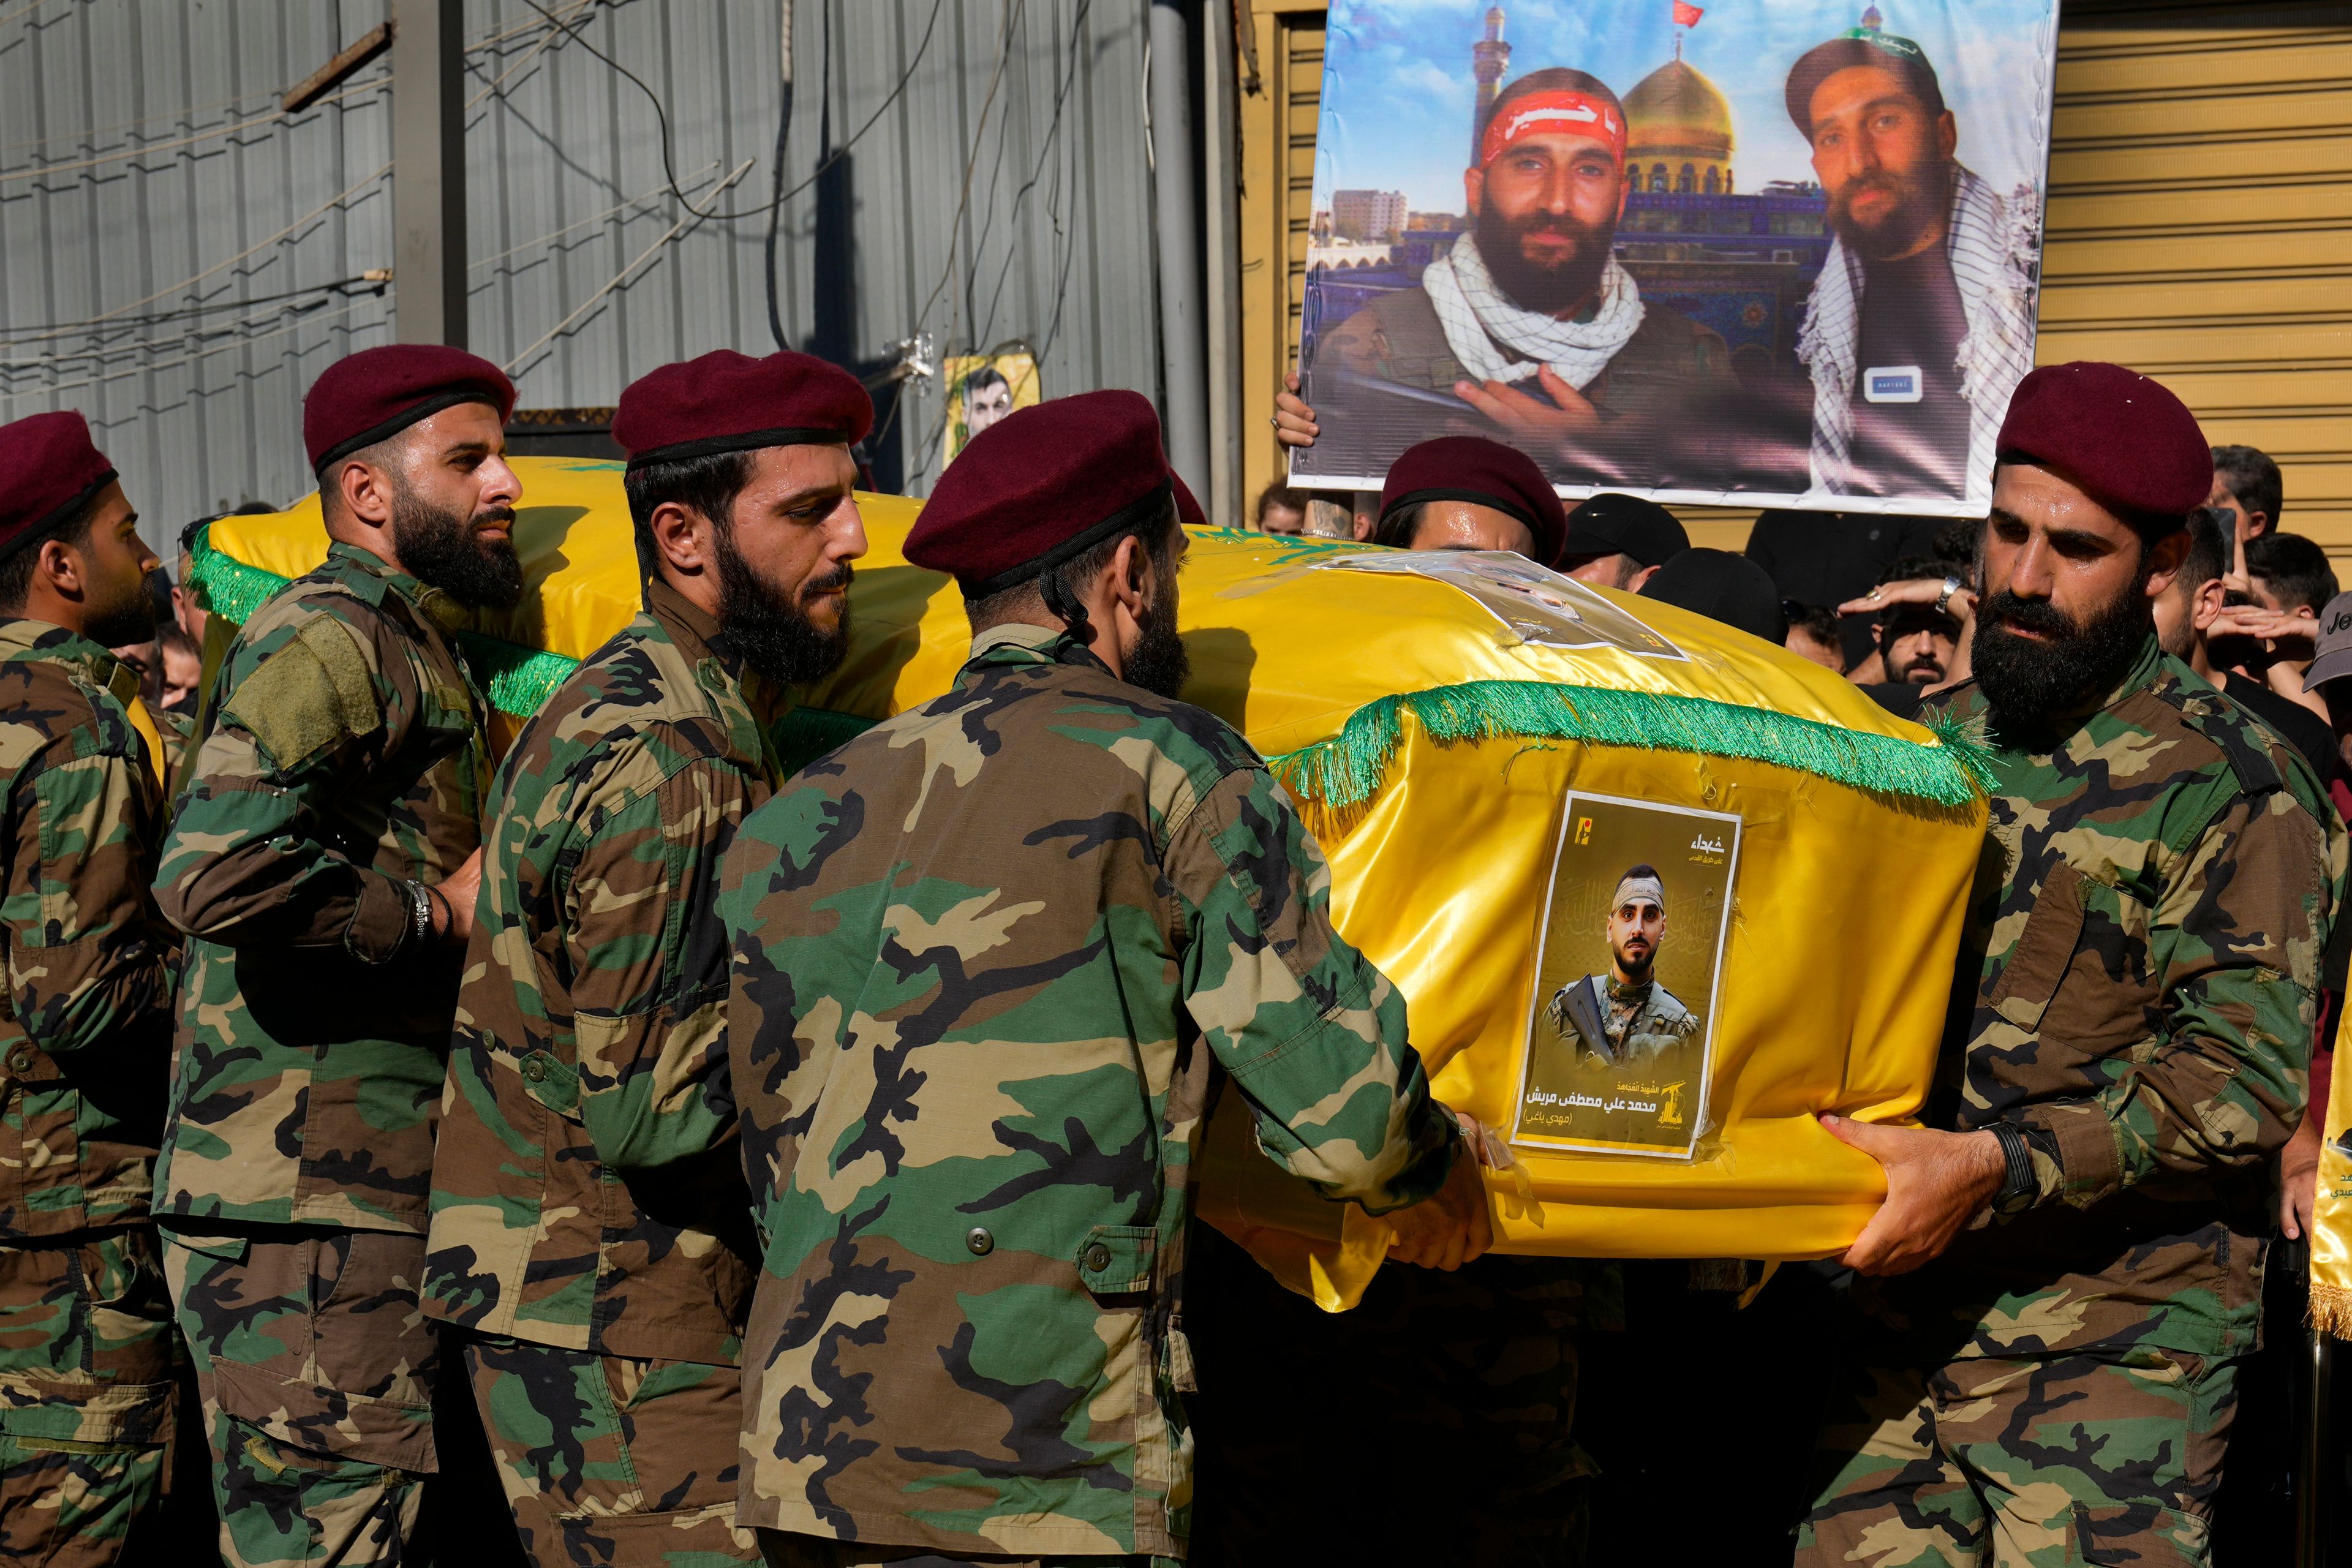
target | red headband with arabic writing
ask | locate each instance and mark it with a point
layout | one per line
(1553, 114)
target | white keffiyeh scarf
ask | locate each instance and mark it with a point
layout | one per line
(1497, 341)
(1993, 243)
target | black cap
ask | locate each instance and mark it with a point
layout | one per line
(1614, 525)
(1725, 587)
(1860, 47)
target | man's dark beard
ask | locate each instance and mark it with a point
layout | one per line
(443, 550)
(1636, 978)
(120, 626)
(1919, 204)
(1157, 662)
(2029, 682)
(767, 628)
(1531, 285)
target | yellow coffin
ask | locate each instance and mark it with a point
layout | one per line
(1449, 750)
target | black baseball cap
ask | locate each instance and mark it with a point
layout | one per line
(1860, 47)
(1725, 587)
(1614, 525)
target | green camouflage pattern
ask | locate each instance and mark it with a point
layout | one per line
(86, 1399)
(85, 1021)
(2110, 1457)
(2137, 992)
(780, 1550)
(344, 755)
(315, 1367)
(989, 957)
(587, 1188)
(618, 1461)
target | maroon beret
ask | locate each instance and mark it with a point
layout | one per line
(727, 401)
(1042, 485)
(1473, 468)
(1187, 506)
(49, 469)
(2132, 447)
(375, 393)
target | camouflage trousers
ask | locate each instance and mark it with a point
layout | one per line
(1461, 1387)
(85, 1367)
(611, 1462)
(783, 1550)
(315, 1365)
(2045, 1461)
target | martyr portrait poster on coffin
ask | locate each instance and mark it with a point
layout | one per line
(1621, 1030)
(1534, 604)
(1761, 252)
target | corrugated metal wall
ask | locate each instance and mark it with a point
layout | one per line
(178, 260)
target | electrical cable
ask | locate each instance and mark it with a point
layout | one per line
(153, 317)
(189, 359)
(662, 116)
(375, 287)
(655, 193)
(622, 276)
(981, 328)
(313, 214)
(776, 185)
(36, 171)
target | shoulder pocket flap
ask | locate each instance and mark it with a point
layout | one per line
(315, 692)
(2031, 976)
(1116, 1259)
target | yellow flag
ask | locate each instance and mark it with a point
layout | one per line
(1513, 777)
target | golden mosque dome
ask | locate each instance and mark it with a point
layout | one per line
(1678, 130)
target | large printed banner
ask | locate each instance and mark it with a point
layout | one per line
(1761, 252)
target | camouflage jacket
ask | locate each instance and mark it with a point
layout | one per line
(587, 1188)
(2136, 993)
(84, 1024)
(988, 959)
(344, 755)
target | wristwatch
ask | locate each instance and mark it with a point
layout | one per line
(1944, 599)
(420, 914)
(2019, 1189)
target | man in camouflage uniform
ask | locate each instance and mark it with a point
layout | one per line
(322, 864)
(591, 1229)
(2054, 1384)
(86, 1347)
(989, 959)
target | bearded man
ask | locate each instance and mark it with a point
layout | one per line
(994, 959)
(1529, 320)
(588, 1095)
(322, 863)
(1623, 1019)
(2079, 1235)
(1921, 321)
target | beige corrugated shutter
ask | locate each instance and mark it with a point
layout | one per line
(1277, 172)
(2200, 226)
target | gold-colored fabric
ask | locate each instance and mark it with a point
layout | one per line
(1844, 922)
(2331, 1216)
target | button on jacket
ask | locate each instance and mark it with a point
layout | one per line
(989, 959)
(587, 1189)
(2136, 994)
(84, 1024)
(346, 756)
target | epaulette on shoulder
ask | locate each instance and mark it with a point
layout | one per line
(2235, 733)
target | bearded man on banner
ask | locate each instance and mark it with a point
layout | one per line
(1530, 318)
(1921, 323)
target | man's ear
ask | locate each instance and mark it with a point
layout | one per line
(1948, 134)
(1640, 580)
(682, 538)
(1474, 188)
(2164, 559)
(2205, 604)
(366, 492)
(2257, 525)
(61, 565)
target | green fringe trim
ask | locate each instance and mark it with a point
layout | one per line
(804, 734)
(517, 680)
(1347, 770)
